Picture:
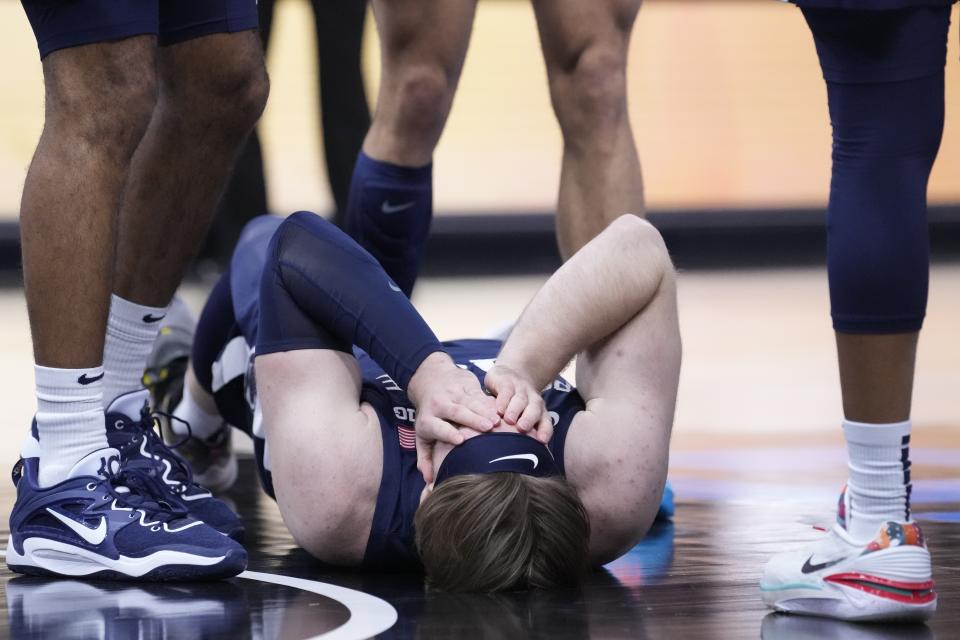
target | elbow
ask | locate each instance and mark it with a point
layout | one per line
(327, 543)
(637, 238)
(614, 540)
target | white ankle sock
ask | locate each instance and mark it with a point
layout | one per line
(131, 331)
(202, 424)
(69, 419)
(879, 483)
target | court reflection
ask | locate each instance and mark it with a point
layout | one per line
(607, 605)
(237, 609)
(778, 626)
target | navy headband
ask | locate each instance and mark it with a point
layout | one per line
(496, 452)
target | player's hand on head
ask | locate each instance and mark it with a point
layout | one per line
(519, 402)
(446, 398)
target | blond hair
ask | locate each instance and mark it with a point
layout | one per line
(501, 531)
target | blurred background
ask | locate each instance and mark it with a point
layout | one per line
(726, 101)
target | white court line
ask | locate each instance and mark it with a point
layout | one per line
(369, 615)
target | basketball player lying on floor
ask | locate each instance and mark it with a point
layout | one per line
(515, 489)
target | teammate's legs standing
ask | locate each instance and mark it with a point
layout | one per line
(100, 60)
(423, 45)
(887, 126)
(585, 48)
(885, 85)
(99, 98)
(212, 90)
(344, 111)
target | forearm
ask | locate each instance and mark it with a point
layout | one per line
(322, 290)
(605, 284)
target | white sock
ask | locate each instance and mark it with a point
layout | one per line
(131, 331)
(202, 424)
(879, 483)
(69, 419)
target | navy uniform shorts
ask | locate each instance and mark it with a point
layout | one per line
(59, 24)
(857, 44)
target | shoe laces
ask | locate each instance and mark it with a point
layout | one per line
(180, 471)
(136, 488)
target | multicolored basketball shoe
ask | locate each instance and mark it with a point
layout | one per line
(105, 521)
(211, 459)
(887, 578)
(131, 430)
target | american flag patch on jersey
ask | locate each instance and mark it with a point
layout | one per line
(408, 439)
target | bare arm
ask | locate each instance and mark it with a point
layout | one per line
(614, 303)
(596, 292)
(325, 448)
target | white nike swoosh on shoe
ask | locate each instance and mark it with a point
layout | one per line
(388, 208)
(520, 456)
(394, 287)
(92, 536)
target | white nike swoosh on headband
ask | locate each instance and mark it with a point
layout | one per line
(520, 456)
(92, 536)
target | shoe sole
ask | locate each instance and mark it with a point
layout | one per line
(43, 557)
(889, 585)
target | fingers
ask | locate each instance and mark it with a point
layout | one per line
(532, 414)
(436, 429)
(515, 407)
(504, 390)
(465, 417)
(484, 406)
(544, 428)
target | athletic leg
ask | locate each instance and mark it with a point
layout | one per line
(246, 194)
(585, 47)
(423, 45)
(344, 111)
(212, 90)
(99, 98)
(884, 74)
(886, 132)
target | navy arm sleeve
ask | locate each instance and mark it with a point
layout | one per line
(321, 290)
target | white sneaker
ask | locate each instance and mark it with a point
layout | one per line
(887, 578)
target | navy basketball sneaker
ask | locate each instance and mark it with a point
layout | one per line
(106, 521)
(130, 429)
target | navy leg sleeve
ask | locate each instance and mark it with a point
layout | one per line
(886, 135)
(215, 328)
(389, 212)
(321, 290)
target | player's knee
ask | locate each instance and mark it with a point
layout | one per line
(424, 93)
(247, 89)
(878, 273)
(232, 96)
(110, 115)
(589, 94)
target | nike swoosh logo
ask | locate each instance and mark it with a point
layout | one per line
(85, 380)
(93, 536)
(394, 287)
(388, 208)
(808, 567)
(520, 456)
(150, 319)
